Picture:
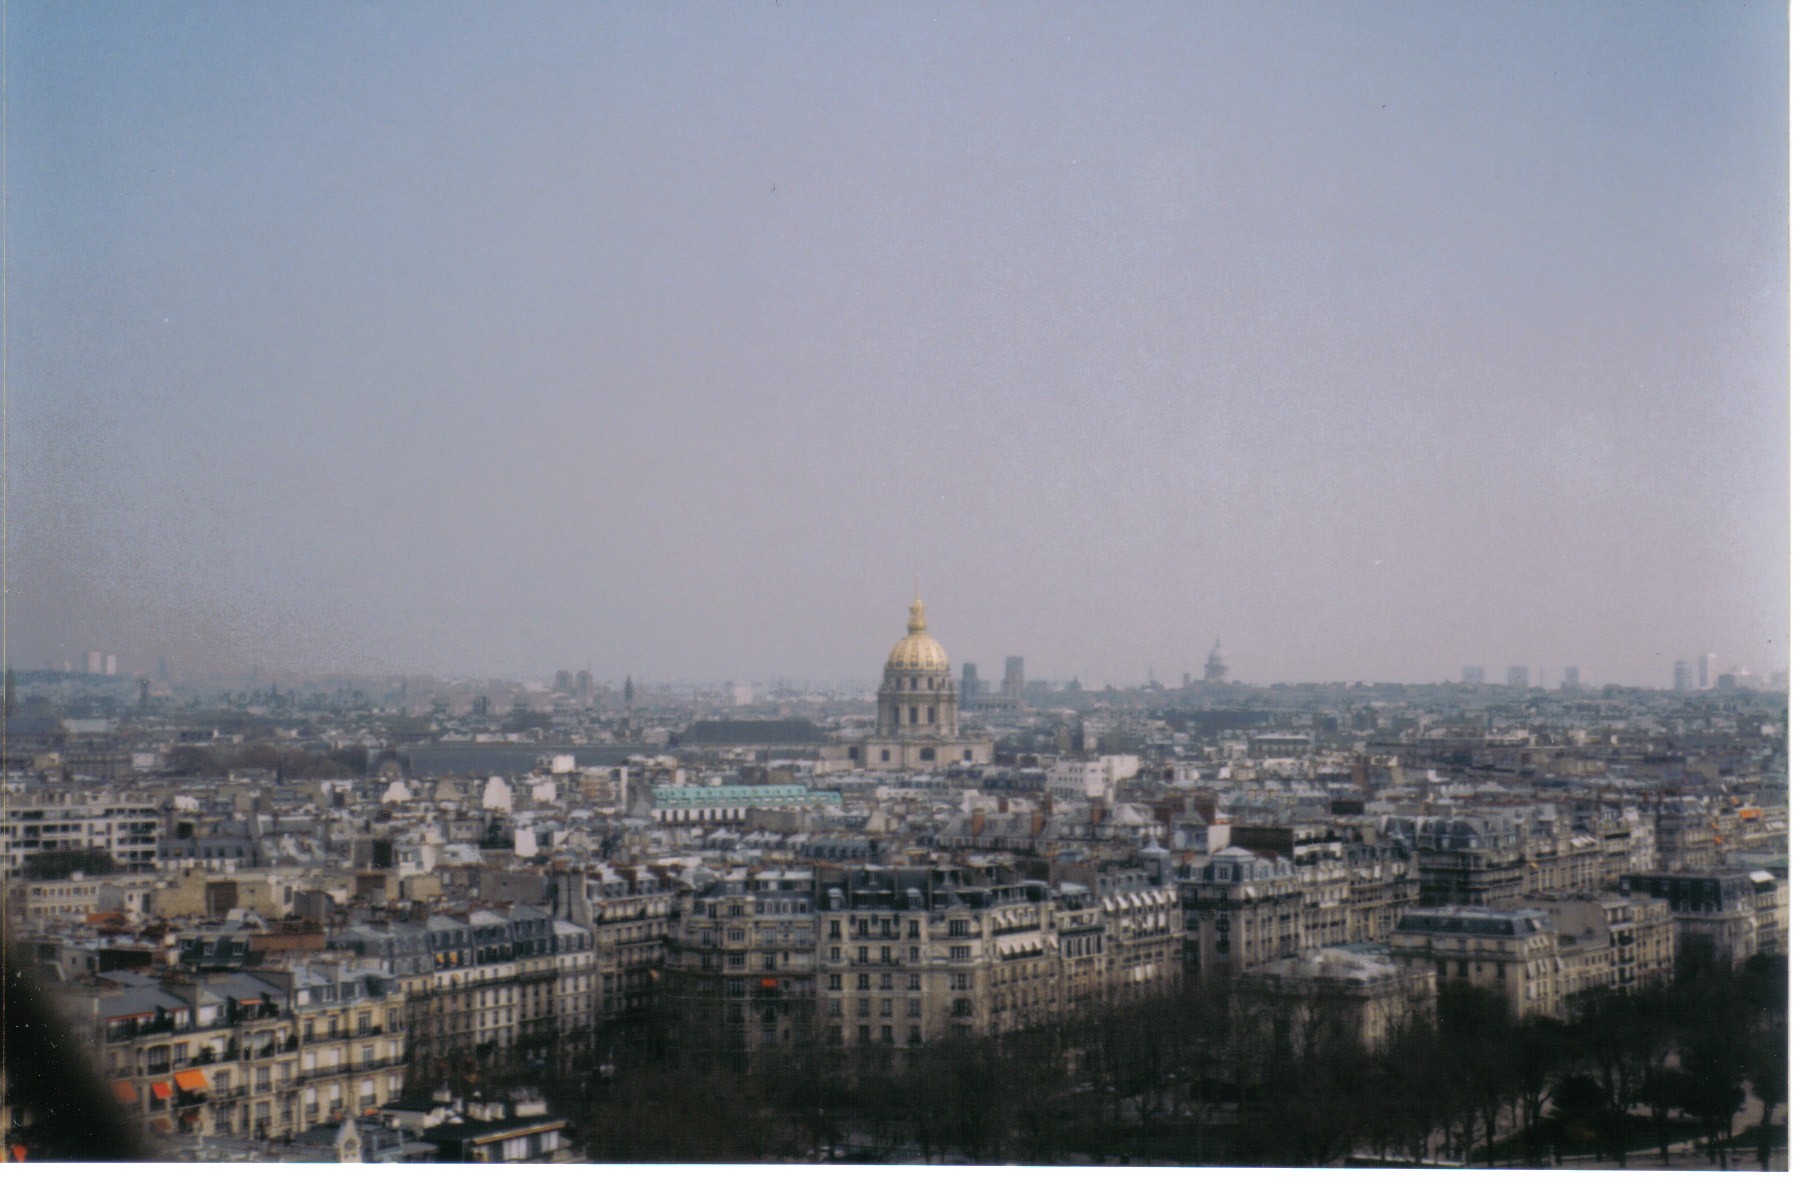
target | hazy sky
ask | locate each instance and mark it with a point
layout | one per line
(1373, 338)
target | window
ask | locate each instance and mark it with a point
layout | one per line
(914, 1035)
(862, 982)
(862, 1008)
(927, 754)
(887, 1009)
(836, 982)
(886, 982)
(836, 930)
(886, 1033)
(862, 1033)
(958, 928)
(886, 955)
(912, 954)
(862, 955)
(959, 982)
(834, 1008)
(734, 961)
(768, 961)
(912, 929)
(833, 1035)
(958, 953)
(912, 982)
(962, 1008)
(362, 1024)
(885, 756)
(930, 715)
(914, 1008)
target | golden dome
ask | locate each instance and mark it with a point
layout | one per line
(918, 650)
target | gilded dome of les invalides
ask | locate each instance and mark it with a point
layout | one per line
(918, 650)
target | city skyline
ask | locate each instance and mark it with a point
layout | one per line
(1374, 339)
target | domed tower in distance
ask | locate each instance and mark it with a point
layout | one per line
(915, 721)
(1216, 670)
(917, 697)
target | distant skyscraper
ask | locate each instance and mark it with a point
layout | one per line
(1571, 678)
(1708, 665)
(971, 683)
(112, 665)
(96, 662)
(584, 683)
(1474, 674)
(1216, 668)
(1517, 676)
(565, 682)
(1013, 687)
(1683, 676)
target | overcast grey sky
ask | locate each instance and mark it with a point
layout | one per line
(1374, 338)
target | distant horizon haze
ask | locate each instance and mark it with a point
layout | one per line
(1374, 338)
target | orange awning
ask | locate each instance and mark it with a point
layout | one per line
(191, 1080)
(162, 1125)
(162, 1089)
(125, 1092)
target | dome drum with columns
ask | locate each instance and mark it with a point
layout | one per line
(915, 720)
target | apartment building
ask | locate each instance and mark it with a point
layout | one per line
(1610, 941)
(36, 902)
(902, 956)
(124, 825)
(742, 960)
(1733, 914)
(1335, 993)
(263, 1055)
(1508, 951)
(1491, 860)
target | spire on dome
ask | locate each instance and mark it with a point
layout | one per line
(915, 622)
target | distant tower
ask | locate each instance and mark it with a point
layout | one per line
(1683, 676)
(1707, 664)
(1216, 669)
(96, 662)
(916, 698)
(112, 665)
(1474, 675)
(971, 683)
(1517, 676)
(565, 682)
(1571, 678)
(1013, 686)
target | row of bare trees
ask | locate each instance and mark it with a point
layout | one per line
(1213, 1075)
